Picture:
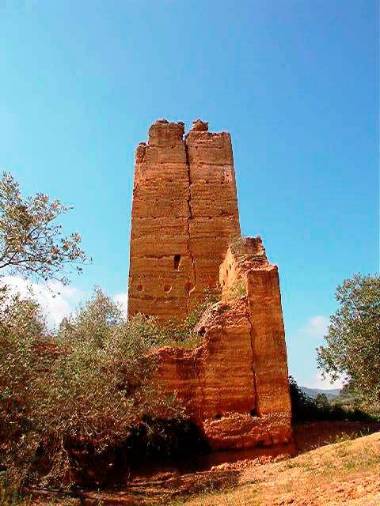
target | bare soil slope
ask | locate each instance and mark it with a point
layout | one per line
(346, 473)
(333, 467)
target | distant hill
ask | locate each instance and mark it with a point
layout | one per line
(330, 393)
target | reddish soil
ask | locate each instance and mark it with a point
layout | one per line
(223, 471)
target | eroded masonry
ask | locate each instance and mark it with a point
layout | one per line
(185, 239)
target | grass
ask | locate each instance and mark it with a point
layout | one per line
(238, 289)
(348, 436)
(181, 334)
(188, 343)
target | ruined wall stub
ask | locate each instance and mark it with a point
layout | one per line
(234, 385)
(184, 215)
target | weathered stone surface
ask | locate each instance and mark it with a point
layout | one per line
(185, 238)
(235, 384)
(212, 379)
(184, 215)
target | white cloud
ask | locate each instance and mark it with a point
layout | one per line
(316, 327)
(122, 300)
(325, 384)
(56, 299)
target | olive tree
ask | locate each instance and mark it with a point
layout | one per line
(352, 348)
(22, 327)
(66, 402)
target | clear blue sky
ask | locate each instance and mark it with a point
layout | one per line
(294, 81)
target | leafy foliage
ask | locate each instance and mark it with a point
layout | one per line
(21, 326)
(183, 333)
(86, 388)
(304, 408)
(31, 241)
(353, 339)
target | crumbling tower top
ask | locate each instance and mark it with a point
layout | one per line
(200, 126)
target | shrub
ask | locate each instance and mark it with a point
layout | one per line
(82, 391)
(159, 439)
(304, 408)
(21, 326)
(238, 289)
(182, 333)
(352, 348)
(73, 402)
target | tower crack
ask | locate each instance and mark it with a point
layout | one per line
(190, 217)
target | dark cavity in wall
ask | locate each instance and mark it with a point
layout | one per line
(177, 261)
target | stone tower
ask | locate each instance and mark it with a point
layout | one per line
(185, 238)
(184, 215)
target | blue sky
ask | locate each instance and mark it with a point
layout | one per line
(294, 81)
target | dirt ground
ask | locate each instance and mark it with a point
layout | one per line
(346, 473)
(327, 466)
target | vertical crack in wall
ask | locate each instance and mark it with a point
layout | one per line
(252, 342)
(190, 217)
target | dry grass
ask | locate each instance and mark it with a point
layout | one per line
(346, 473)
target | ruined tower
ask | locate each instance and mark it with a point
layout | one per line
(184, 215)
(185, 238)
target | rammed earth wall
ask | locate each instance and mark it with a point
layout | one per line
(184, 215)
(186, 238)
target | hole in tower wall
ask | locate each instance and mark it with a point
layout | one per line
(177, 260)
(202, 331)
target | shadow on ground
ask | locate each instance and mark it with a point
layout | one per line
(162, 483)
